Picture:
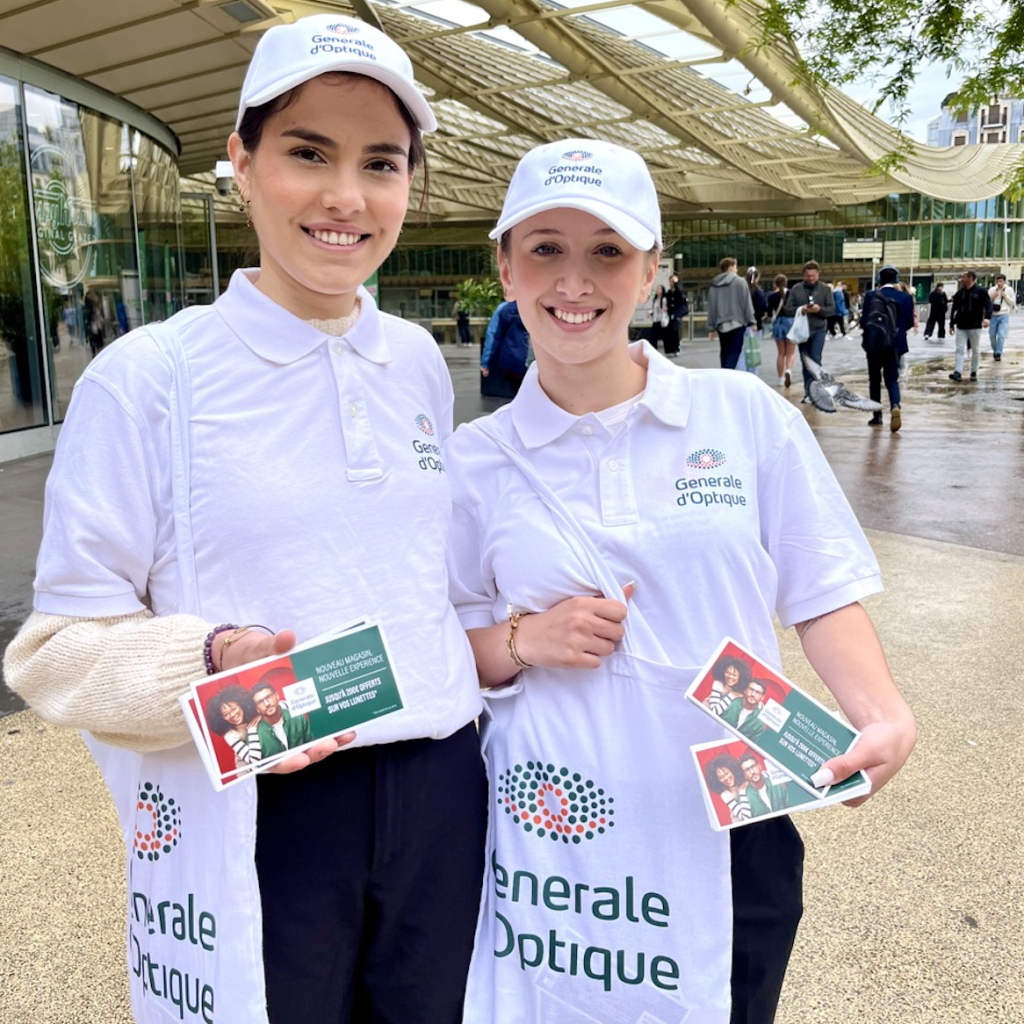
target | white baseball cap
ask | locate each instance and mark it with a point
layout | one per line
(600, 178)
(289, 55)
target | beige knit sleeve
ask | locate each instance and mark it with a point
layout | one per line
(119, 678)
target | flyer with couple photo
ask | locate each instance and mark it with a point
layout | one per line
(782, 737)
(248, 719)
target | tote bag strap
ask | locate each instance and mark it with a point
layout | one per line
(603, 574)
(181, 462)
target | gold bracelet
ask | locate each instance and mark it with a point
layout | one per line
(510, 643)
(237, 634)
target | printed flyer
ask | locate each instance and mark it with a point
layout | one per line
(775, 718)
(246, 720)
(740, 786)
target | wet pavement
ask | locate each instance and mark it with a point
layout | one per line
(912, 902)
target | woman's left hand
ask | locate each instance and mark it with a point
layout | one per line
(843, 649)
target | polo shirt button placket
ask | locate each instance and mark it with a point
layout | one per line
(361, 455)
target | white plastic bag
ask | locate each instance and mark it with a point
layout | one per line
(800, 331)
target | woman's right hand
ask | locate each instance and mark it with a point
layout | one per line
(575, 633)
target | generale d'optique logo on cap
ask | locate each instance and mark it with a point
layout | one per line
(574, 170)
(555, 802)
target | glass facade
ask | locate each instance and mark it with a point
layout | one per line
(22, 373)
(951, 236)
(90, 242)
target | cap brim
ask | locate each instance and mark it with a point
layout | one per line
(629, 228)
(408, 94)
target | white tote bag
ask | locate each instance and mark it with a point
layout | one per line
(607, 897)
(800, 331)
(195, 926)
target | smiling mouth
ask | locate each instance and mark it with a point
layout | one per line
(570, 317)
(335, 237)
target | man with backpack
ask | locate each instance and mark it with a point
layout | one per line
(885, 317)
(972, 311)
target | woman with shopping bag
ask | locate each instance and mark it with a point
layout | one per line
(611, 526)
(261, 460)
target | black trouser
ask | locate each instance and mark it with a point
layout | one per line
(730, 345)
(370, 866)
(767, 901)
(884, 364)
(933, 319)
(836, 321)
(671, 336)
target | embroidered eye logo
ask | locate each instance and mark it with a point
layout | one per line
(576, 155)
(425, 425)
(342, 30)
(555, 802)
(157, 823)
(706, 458)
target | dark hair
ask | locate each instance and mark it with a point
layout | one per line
(719, 667)
(811, 265)
(780, 280)
(231, 694)
(725, 263)
(722, 761)
(255, 118)
(971, 274)
(749, 756)
(760, 682)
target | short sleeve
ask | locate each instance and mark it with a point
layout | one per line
(822, 558)
(472, 594)
(101, 522)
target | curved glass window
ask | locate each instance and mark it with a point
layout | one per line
(21, 372)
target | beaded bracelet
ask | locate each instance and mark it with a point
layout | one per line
(510, 643)
(208, 645)
(239, 632)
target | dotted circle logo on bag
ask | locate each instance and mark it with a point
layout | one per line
(576, 155)
(425, 425)
(555, 802)
(160, 834)
(706, 458)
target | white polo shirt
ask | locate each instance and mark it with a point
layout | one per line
(315, 492)
(714, 496)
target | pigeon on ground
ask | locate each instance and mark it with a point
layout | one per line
(827, 394)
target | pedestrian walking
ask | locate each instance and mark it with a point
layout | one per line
(1004, 302)
(970, 314)
(814, 297)
(886, 316)
(730, 311)
(785, 349)
(938, 304)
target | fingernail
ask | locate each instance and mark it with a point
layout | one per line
(823, 777)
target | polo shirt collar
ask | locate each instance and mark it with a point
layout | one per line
(538, 421)
(280, 337)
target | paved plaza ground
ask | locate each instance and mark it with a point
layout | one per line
(913, 901)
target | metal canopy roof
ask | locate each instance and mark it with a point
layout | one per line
(726, 126)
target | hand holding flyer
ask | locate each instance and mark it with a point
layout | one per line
(252, 718)
(784, 737)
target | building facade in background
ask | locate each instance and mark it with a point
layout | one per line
(99, 233)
